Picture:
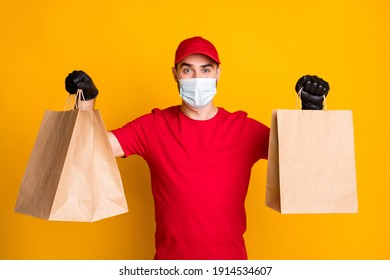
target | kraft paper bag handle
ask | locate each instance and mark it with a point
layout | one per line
(79, 96)
(299, 98)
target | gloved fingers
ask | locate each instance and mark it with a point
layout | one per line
(307, 86)
(312, 85)
(300, 84)
(318, 86)
(70, 85)
(71, 81)
(71, 88)
(80, 80)
(81, 76)
(324, 87)
(313, 90)
(311, 98)
(307, 83)
(86, 86)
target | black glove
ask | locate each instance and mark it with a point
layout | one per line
(314, 89)
(80, 80)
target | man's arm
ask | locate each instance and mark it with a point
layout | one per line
(116, 147)
(80, 80)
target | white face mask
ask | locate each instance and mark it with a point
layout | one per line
(198, 92)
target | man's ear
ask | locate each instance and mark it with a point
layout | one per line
(174, 73)
(218, 72)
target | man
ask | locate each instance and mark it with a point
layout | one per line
(200, 157)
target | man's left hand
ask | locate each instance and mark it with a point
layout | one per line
(314, 90)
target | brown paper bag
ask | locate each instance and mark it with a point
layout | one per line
(72, 174)
(311, 162)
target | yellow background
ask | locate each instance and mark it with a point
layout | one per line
(127, 47)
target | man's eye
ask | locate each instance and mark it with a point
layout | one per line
(187, 70)
(205, 70)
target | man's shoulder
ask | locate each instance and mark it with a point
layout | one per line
(155, 114)
(166, 111)
(240, 116)
(232, 114)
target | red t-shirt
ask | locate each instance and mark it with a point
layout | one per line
(200, 173)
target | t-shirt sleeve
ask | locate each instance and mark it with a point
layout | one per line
(134, 136)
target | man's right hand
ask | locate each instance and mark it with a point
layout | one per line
(80, 80)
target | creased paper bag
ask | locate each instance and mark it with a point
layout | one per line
(311, 162)
(72, 174)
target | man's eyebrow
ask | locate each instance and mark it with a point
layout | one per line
(207, 65)
(191, 65)
(186, 64)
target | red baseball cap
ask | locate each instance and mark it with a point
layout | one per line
(196, 45)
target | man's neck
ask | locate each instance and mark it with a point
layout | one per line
(205, 113)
